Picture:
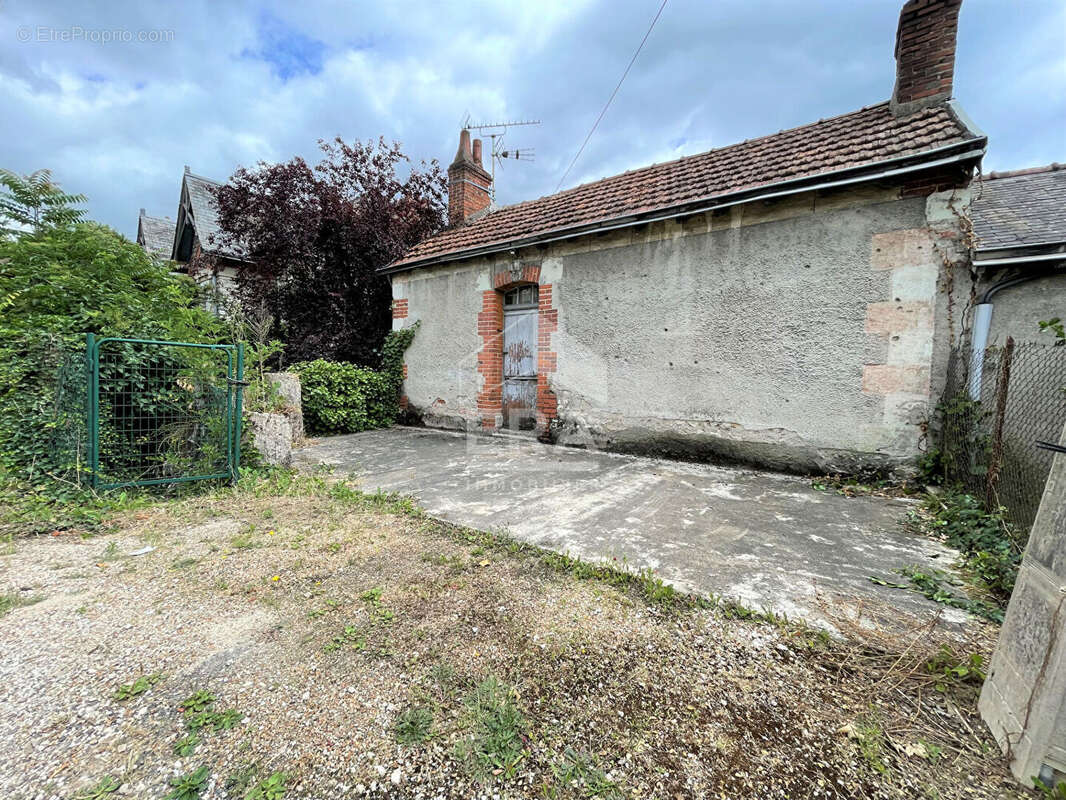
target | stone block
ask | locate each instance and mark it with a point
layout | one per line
(885, 379)
(272, 437)
(907, 248)
(289, 390)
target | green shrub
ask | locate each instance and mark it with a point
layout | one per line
(339, 397)
(56, 284)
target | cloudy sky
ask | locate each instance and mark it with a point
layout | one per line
(221, 84)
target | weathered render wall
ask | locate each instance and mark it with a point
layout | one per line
(1017, 311)
(801, 334)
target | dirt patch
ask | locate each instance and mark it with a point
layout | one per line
(338, 630)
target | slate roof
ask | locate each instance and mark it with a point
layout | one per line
(1021, 209)
(848, 142)
(204, 213)
(155, 234)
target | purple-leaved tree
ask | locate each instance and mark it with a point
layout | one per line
(315, 237)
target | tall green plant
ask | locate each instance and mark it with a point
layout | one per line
(56, 284)
(31, 202)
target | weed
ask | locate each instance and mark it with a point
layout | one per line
(941, 587)
(185, 563)
(216, 720)
(871, 742)
(933, 752)
(443, 674)
(414, 725)
(237, 783)
(350, 637)
(101, 790)
(111, 551)
(949, 669)
(12, 600)
(496, 746)
(244, 541)
(581, 772)
(186, 745)
(379, 612)
(991, 548)
(271, 788)
(200, 700)
(127, 691)
(1057, 792)
(189, 786)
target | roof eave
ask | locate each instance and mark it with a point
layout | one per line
(959, 152)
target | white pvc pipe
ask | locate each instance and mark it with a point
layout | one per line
(982, 322)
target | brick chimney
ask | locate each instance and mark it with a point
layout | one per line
(925, 54)
(469, 185)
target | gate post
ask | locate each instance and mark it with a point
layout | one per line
(237, 414)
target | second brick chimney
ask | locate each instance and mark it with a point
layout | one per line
(925, 54)
(469, 184)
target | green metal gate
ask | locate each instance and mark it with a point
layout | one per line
(162, 412)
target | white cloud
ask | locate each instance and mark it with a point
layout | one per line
(237, 84)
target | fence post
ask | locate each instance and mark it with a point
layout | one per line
(995, 460)
(238, 413)
(90, 407)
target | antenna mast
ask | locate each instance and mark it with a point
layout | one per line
(496, 131)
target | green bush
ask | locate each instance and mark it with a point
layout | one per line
(339, 397)
(56, 284)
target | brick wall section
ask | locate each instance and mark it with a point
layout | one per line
(925, 52)
(942, 179)
(529, 273)
(490, 359)
(547, 324)
(399, 309)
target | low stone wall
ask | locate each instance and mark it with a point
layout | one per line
(1024, 697)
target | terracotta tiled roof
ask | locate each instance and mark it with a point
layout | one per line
(1021, 209)
(851, 141)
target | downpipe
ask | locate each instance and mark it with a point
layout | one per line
(982, 324)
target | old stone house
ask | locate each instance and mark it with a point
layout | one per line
(194, 234)
(788, 301)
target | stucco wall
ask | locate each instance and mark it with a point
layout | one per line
(800, 334)
(442, 380)
(1017, 311)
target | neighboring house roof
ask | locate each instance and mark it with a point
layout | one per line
(155, 234)
(198, 210)
(1025, 208)
(848, 144)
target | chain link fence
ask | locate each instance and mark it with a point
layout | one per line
(991, 417)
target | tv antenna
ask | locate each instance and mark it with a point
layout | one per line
(496, 131)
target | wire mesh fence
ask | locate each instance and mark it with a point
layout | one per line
(991, 417)
(161, 412)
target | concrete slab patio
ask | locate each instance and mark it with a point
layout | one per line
(765, 539)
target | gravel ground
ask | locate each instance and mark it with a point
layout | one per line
(326, 622)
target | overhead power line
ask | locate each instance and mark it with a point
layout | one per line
(609, 99)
